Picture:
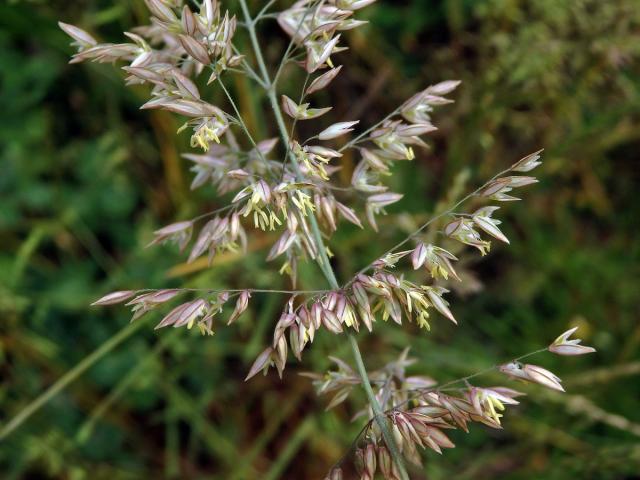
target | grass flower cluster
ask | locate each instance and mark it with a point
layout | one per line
(288, 184)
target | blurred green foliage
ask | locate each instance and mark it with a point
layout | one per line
(86, 177)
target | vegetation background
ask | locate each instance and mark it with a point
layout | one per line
(85, 177)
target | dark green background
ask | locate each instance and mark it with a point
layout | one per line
(85, 177)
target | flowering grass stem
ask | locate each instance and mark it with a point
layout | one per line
(427, 223)
(421, 391)
(325, 266)
(360, 137)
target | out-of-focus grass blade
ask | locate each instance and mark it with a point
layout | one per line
(68, 378)
(86, 429)
(296, 440)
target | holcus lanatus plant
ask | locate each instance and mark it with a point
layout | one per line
(288, 184)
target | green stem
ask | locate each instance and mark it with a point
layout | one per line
(243, 125)
(323, 259)
(68, 378)
(264, 10)
(378, 414)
